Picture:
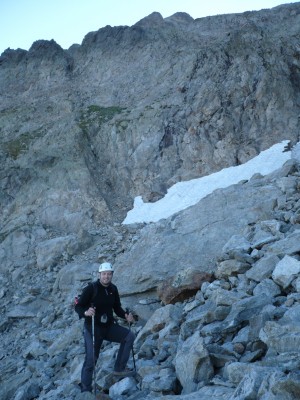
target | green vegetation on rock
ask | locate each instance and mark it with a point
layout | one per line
(95, 114)
(21, 144)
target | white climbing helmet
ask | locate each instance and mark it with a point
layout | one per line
(106, 266)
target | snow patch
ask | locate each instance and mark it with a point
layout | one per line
(185, 194)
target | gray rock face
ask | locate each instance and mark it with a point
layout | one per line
(129, 112)
(194, 238)
(140, 108)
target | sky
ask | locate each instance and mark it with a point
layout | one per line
(185, 194)
(22, 22)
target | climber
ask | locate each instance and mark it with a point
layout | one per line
(96, 305)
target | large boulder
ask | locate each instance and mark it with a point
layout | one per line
(196, 236)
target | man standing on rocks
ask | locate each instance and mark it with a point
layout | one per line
(96, 305)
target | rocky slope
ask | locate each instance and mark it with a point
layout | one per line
(231, 334)
(129, 112)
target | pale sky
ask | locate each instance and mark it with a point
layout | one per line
(22, 22)
(186, 194)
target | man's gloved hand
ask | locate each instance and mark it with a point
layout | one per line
(90, 312)
(129, 317)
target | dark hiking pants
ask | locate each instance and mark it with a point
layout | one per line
(112, 333)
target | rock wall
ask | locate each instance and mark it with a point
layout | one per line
(133, 110)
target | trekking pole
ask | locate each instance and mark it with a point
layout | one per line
(133, 357)
(94, 358)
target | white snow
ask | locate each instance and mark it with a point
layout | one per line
(185, 194)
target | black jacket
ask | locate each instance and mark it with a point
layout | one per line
(106, 300)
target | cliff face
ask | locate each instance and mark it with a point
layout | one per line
(135, 109)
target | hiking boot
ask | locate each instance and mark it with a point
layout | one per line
(125, 373)
(84, 389)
